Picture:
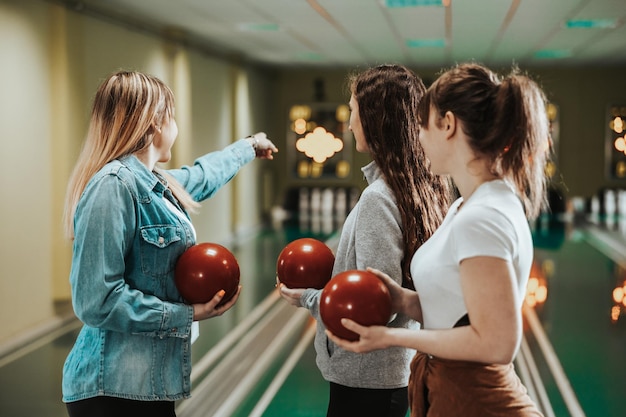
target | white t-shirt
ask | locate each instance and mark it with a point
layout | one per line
(490, 223)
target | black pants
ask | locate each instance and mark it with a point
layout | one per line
(364, 402)
(120, 407)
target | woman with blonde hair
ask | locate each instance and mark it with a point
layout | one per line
(129, 223)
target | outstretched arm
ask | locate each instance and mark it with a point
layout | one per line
(263, 147)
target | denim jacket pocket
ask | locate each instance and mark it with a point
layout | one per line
(158, 255)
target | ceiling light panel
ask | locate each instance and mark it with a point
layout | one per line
(399, 4)
(591, 24)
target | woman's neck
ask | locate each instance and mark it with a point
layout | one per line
(147, 158)
(468, 169)
(467, 183)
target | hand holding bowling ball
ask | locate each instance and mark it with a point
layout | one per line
(305, 263)
(291, 295)
(203, 270)
(215, 307)
(357, 295)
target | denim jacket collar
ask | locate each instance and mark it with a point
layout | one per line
(153, 181)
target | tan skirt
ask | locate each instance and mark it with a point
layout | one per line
(446, 388)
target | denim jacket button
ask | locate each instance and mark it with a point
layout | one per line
(174, 330)
(161, 239)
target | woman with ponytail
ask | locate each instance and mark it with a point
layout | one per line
(401, 207)
(491, 135)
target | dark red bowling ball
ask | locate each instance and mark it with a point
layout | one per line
(305, 263)
(357, 295)
(203, 270)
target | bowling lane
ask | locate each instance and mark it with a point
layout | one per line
(303, 393)
(585, 326)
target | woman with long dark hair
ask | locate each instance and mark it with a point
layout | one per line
(401, 207)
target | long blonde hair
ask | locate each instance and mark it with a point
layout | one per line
(126, 108)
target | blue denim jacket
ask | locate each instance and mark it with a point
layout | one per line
(135, 342)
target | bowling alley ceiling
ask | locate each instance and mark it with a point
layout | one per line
(419, 33)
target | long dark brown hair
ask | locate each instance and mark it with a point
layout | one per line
(506, 121)
(388, 98)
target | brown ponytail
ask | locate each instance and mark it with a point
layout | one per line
(506, 122)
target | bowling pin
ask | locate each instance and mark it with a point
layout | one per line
(316, 201)
(340, 206)
(328, 197)
(303, 201)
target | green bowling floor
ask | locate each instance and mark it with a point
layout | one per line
(303, 394)
(576, 316)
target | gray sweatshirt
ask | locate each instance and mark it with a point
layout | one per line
(371, 237)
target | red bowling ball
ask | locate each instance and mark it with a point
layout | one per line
(305, 263)
(203, 270)
(357, 295)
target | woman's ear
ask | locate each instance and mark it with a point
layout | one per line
(449, 123)
(152, 130)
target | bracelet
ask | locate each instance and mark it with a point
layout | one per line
(255, 145)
